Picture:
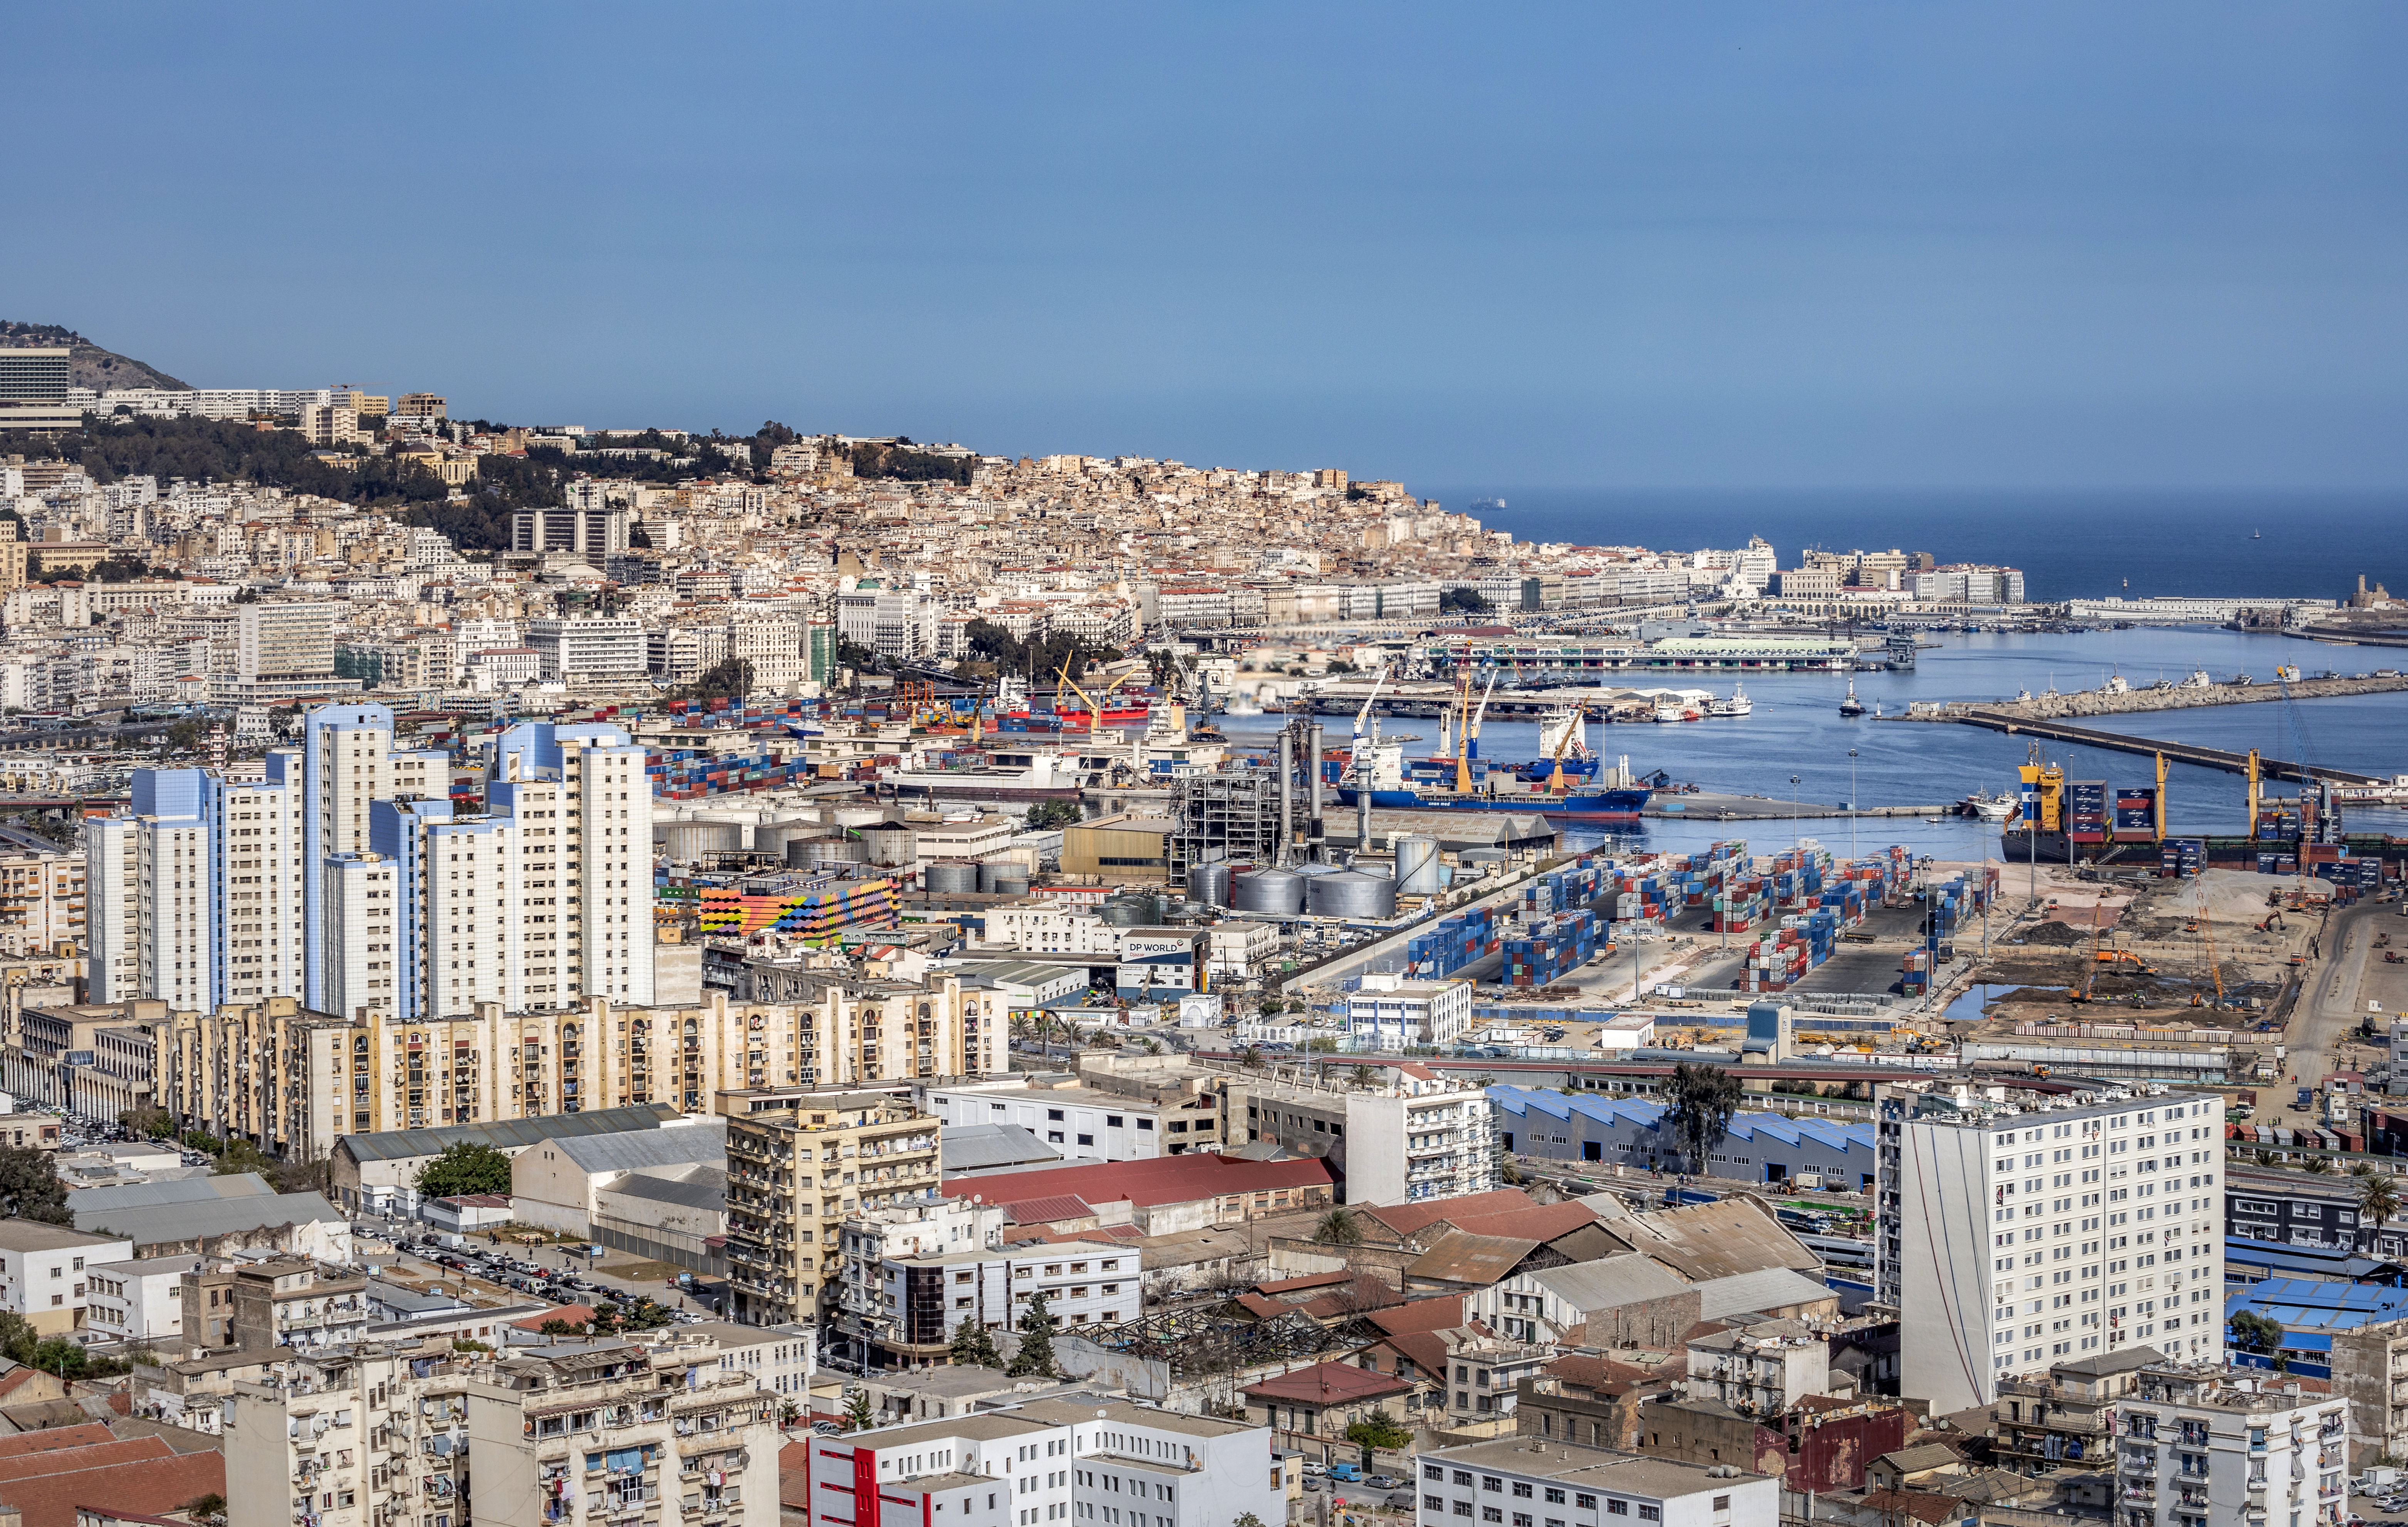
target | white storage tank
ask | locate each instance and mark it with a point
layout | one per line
(1276, 892)
(1417, 866)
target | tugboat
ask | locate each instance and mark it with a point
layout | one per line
(1851, 706)
(1738, 704)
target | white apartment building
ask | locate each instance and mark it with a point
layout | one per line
(2199, 1446)
(44, 899)
(1531, 1480)
(1412, 1136)
(46, 1272)
(906, 1309)
(1049, 929)
(1095, 1461)
(1082, 1123)
(1390, 1013)
(138, 1301)
(773, 644)
(589, 647)
(2014, 1234)
(344, 880)
(1240, 947)
(284, 639)
(362, 969)
(622, 1435)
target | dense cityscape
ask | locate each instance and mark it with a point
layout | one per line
(642, 975)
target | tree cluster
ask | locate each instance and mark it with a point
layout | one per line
(1039, 655)
(29, 1187)
(1704, 1098)
(899, 463)
(1469, 601)
(63, 1356)
(226, 450)
(464, 1167)
(729, 679)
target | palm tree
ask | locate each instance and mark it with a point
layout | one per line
(1150, 1044)
(1360, 1075)
(2378, 1198)
(1251, 1057)
(1338, 1228)
(2319, 1165)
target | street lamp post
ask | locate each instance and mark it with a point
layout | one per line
(1792, 811)
(1854, 805)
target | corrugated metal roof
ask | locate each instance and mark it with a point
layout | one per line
(212, 1216)
(1609, 1283)
(969, 1148)
(2318, 1304)
(631, 1150)
(1461, 1257)
(1765, 1289)
(503, 1135)
(1047, 1210)
(143, 1195)
(695, 1187)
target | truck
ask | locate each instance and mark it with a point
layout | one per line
(2307, 1098)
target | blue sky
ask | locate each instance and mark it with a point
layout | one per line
(1729, 245)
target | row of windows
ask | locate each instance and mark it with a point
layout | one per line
(1614, 1506)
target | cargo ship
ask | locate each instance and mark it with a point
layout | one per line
(1118, 712)
(1570, 785)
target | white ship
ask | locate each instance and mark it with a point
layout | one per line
(1738, 704)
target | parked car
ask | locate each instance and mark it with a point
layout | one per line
(1381, 1481)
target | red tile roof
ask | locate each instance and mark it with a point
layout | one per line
(1145, 1185)
(148, 1485)
(55, 1438)
(1328, 1384)
(1443, 1313)
(98, 1455)
(1309, 1280)
(1051, 1208)
(1405, 1218)
(1536, 1222)
(573, 1314)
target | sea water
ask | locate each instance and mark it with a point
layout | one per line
(1797, 730)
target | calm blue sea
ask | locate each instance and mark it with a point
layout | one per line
(2070, 544)
(1796, 729)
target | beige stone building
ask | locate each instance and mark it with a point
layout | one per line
(799, 1163)
(291, 1080)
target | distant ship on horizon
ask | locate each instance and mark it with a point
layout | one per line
(1482, 504)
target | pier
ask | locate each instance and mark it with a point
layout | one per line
(2205, 757)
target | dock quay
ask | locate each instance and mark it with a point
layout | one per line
(1714, 806)
(2206, 757)
(2117, 698)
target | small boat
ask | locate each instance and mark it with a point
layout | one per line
(1671, 711)
(1738, 704)
(1851, 706)
(2255, 536)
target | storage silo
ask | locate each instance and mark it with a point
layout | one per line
(1418, 865)
(1351, 893)
(803, 852)
(1003, 877)
(889, 846)
(950, 877)
(1210, 883)
(1278, 892)
(687, 842)
(773, 837)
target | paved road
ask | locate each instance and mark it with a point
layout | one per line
(2330, 1009)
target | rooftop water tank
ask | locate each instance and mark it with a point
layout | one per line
(1278, 892)
(1351, 893)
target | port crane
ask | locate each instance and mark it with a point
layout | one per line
(1556, 779)
(1470, 748)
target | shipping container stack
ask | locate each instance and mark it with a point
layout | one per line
(1540, 951)
(1777, 960)
(1914, 972)
(2181, 859)
(1455, 943)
